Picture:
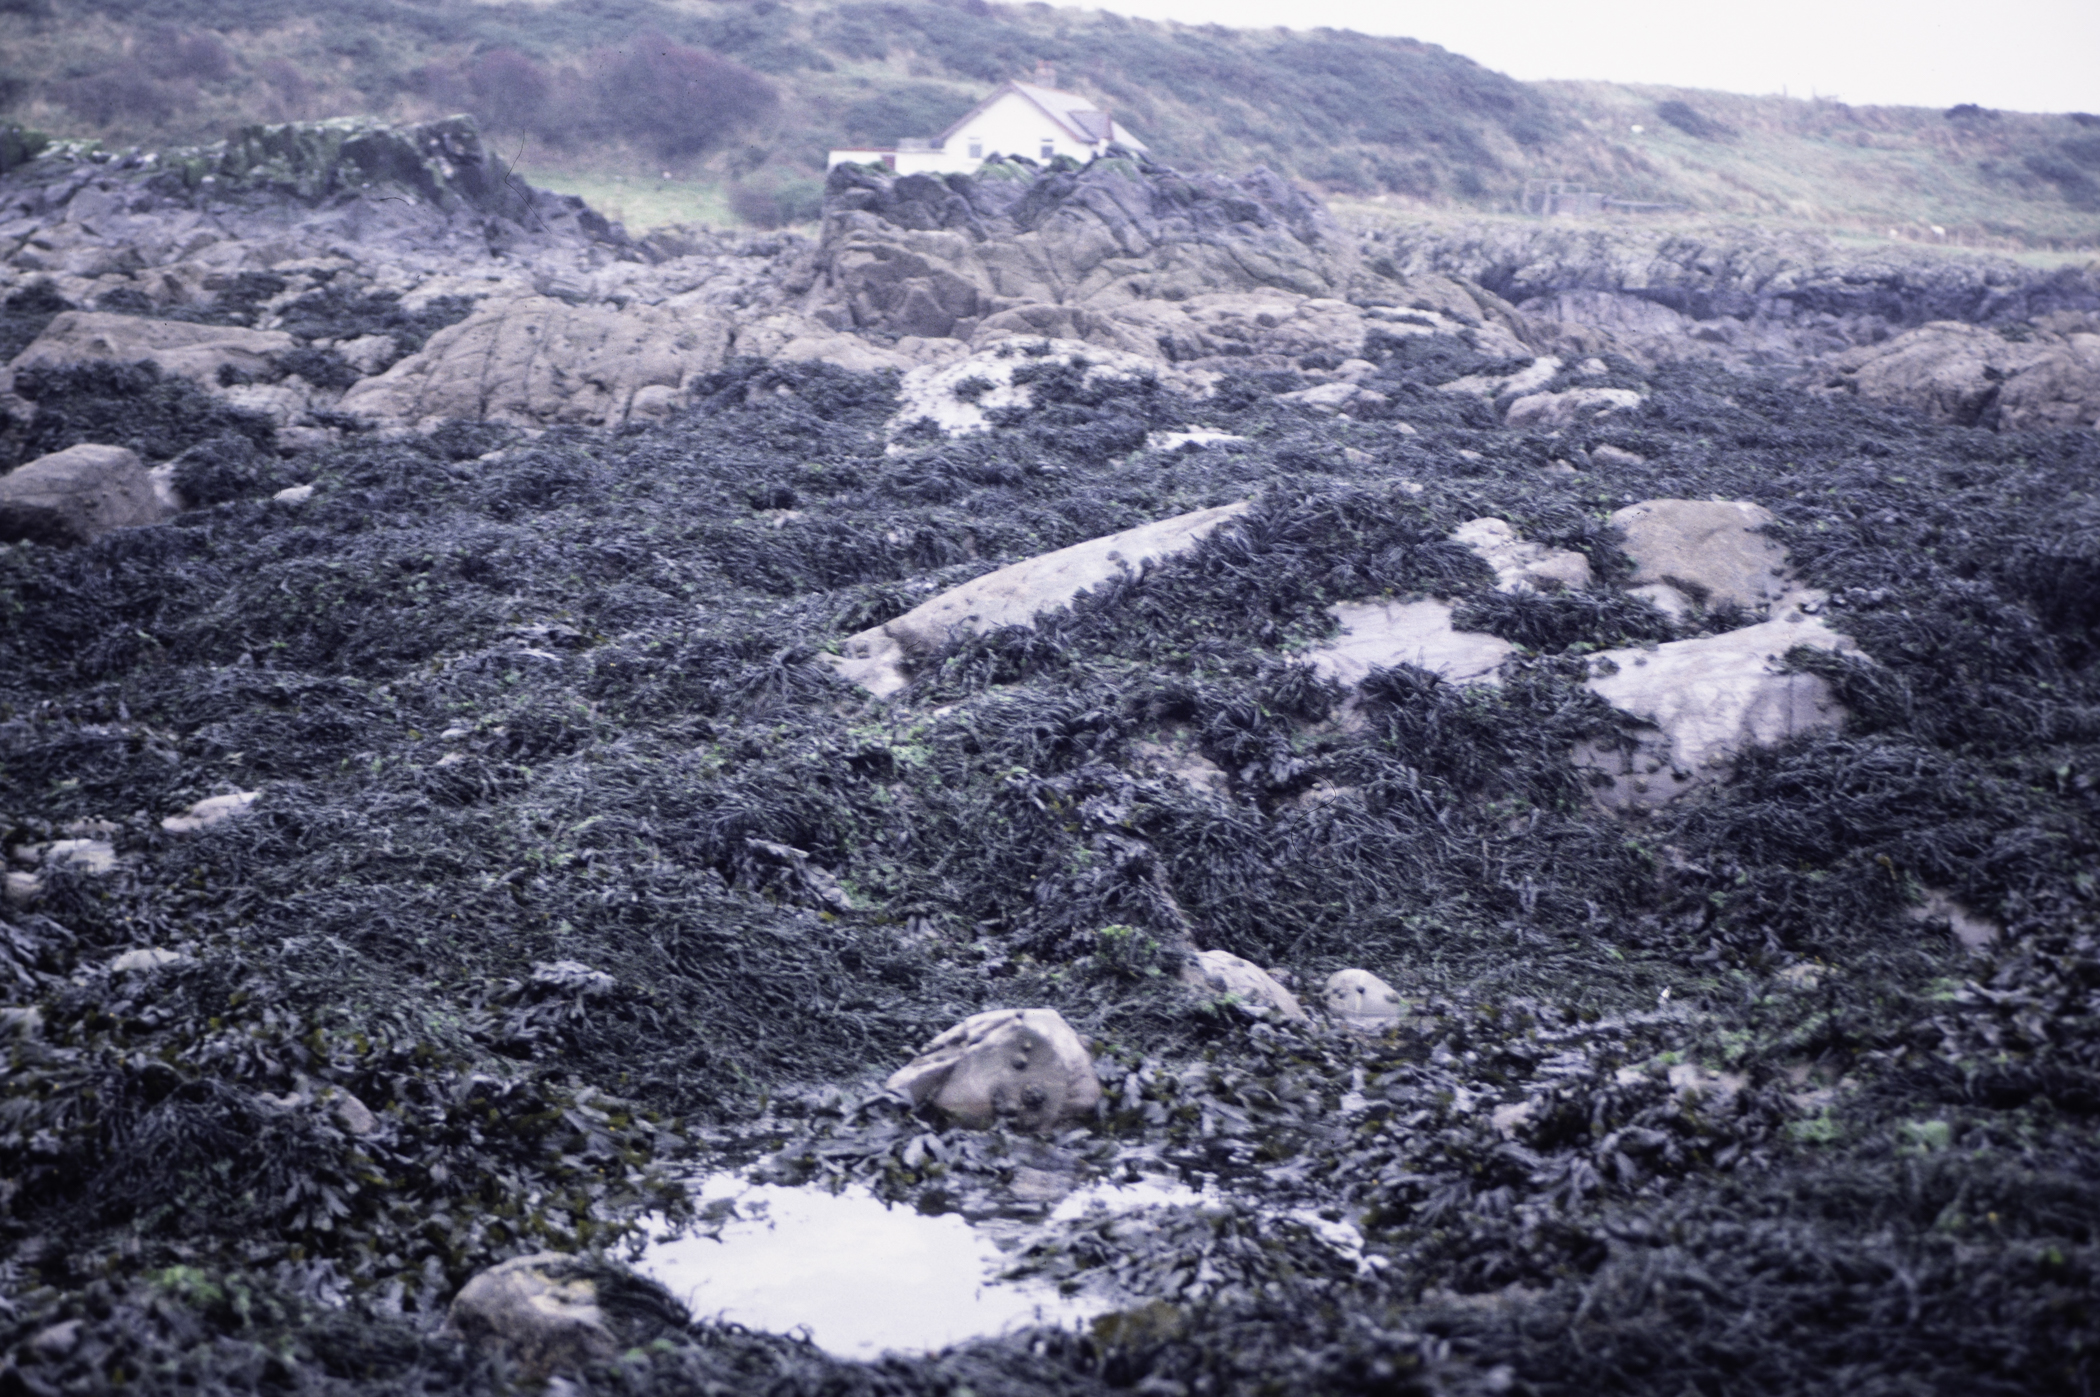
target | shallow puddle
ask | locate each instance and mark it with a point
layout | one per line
(862, 1277)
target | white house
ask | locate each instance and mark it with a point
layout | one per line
(1022, 118)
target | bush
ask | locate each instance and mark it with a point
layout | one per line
(680, 101)
(125, 92)
(1690, 120)
(777, 203)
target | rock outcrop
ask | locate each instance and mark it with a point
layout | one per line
(77, 495)
(2049, 376)
(536, 361)
(1024, 1068)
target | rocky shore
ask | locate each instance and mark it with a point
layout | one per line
(1540, 787)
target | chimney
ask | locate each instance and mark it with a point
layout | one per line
(1045, 74)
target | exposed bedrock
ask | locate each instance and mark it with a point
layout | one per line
(1122, 254)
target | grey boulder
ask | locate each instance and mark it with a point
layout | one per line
(1024, 1068)
(540, 1310)
(1361, 1001)
(1223, 974)
(1709, 550)
(77, 495)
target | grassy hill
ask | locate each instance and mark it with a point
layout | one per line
(671, 109)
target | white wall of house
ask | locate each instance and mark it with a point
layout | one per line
(1013, 125)
(1014, 122)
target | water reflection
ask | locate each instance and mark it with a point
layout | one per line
(861, 1277)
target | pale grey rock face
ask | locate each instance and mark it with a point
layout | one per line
(1024, 1068)
(537, 361)
(1552, 412)
(1708, 699)
(1707, 549)
(876, 658)
(542, 1310)
(77, 495)
(1222, 973)
(1520, 565)
(181, 349)
(1971, 374)
(146, 959)
(1379, 635)
(214, 810)
(1360, 1000)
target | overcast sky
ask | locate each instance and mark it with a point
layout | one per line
(2020, 55)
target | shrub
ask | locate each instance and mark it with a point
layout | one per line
(776, 203)
(125, 92)
(680, 101)
(172, 54)
(1690, 120)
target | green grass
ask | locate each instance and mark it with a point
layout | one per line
(638, 201)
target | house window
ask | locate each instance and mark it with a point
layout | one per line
(977, 149)
(1049, 148)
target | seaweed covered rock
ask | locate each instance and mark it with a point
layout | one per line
(541, 1311)
(537, 360)
(1520, 564)
(1021, 1067)
(77, 495)
(877, 658)
(1553, 412)
(1380, 634)
(211, 811)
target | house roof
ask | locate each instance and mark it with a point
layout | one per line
(1075, 115)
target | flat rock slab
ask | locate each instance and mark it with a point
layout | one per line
(876, 658)
(1707, 699)
(1709, 550)
(1379, 635)
(77, 495)
(1021, 1067)
(1519, 564)
(181, 349)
